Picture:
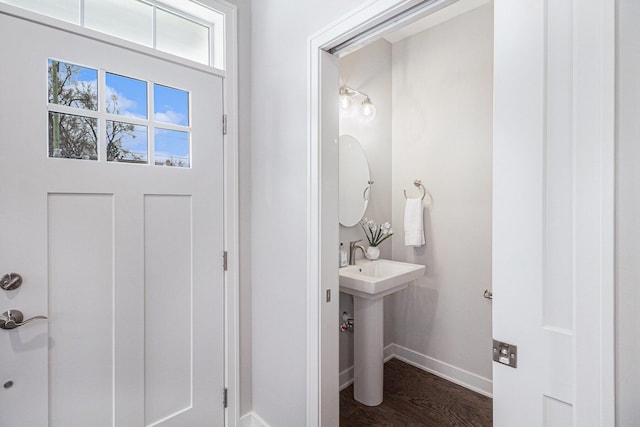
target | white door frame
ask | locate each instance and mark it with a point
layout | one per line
(595, 331)
(230, 161)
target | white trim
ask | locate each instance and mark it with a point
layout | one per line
(442, 369)
(346, 378)
(437, 367)
(252, 419)
(594, 96)
(232, 215)
(608, 215)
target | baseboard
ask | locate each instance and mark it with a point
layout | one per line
(444, 370)
(346, 376)
(251, 419)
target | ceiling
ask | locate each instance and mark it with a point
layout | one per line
(438, 17)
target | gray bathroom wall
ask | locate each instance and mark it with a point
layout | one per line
(628, 214)
(442, 134)
(369, 70)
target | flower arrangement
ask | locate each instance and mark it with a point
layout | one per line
(375, 233)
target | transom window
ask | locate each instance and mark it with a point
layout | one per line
(133, 121)
(182, 28)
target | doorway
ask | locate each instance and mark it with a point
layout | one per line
(533, 80)
(432, 88)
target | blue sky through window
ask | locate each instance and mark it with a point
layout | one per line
(171, 147)
(127, 96)
(85, 74)
(170, 105)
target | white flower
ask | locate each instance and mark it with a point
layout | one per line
(375, 233)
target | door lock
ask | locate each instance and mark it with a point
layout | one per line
(10, 281)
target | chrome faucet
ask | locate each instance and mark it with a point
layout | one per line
(353, 246)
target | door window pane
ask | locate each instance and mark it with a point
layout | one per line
(172, 148)
(182, 37)
(73, 137)
(73, 85)
(126, 96)
(170, 105)
(126, 142)
(129, 20)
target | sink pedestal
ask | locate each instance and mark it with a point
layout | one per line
(368, 375)
(369, 282)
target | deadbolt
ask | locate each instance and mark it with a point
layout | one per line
(10, 281)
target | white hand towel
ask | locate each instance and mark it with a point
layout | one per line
(413, 224)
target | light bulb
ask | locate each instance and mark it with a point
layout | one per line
(345, 98)
(345, 101)
(368, 109)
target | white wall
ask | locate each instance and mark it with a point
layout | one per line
(628, 212)
(442, 134)
(369, 70)
(280, 31)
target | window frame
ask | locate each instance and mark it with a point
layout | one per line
(190, 11)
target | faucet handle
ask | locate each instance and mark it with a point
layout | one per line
(352, 244)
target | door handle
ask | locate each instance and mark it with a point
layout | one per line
(11, 319)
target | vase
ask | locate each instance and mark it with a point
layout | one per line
(373, 252)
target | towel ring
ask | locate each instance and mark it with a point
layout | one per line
(418, 183)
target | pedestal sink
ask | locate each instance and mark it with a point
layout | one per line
(369, 282)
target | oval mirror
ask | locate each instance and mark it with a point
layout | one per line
(354, 181)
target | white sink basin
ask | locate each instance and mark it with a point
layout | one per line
(375, 279)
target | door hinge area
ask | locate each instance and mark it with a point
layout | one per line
(224, 124)
(224, 260)
(225, 399)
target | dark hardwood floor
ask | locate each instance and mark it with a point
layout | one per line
(413, 397)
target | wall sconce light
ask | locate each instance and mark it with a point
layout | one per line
(367, 109)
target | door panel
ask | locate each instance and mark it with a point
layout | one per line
(167, 305)
(329, 368)
(553, 192)
(80, 304)
(125, 259)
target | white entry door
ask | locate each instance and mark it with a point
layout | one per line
(111, 210)
(553, 212)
